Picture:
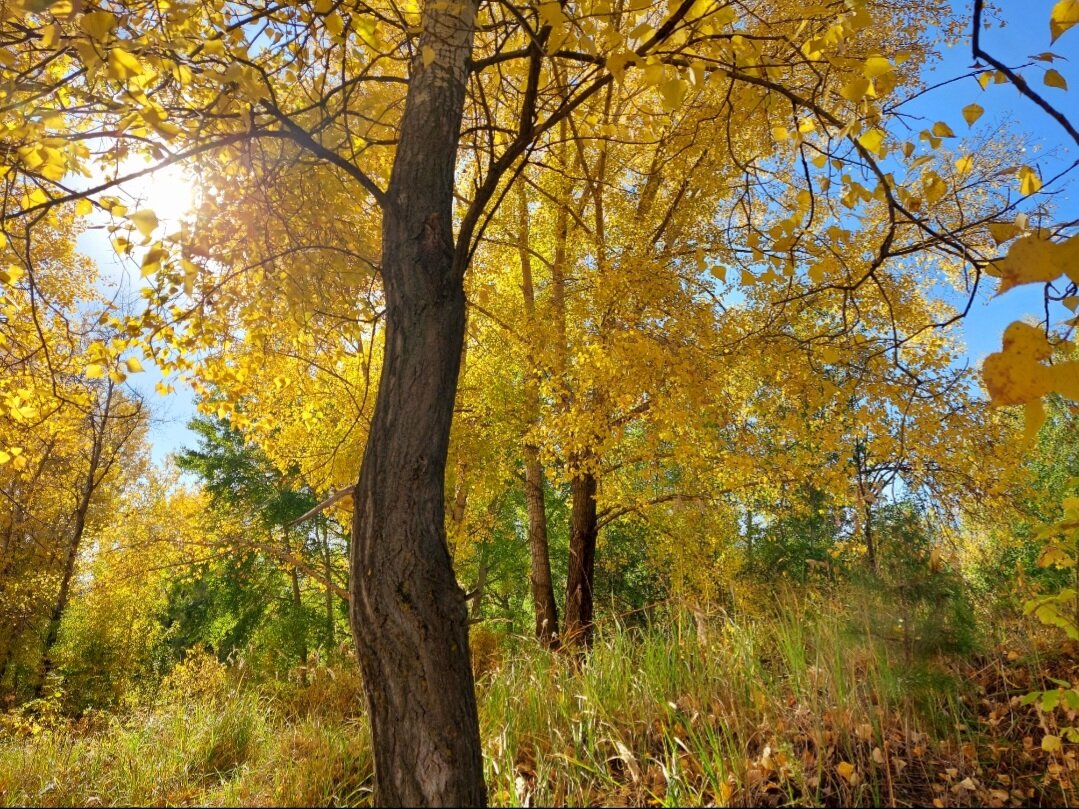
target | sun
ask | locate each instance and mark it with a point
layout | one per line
(169, 192)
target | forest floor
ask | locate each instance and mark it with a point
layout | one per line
(814, 705)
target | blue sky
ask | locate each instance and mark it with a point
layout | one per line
(1025, 32)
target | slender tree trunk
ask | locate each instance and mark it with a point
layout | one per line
(56, 615)
(407, 612)
(297, 609)
(582, 561)
(479, 589)
(749, 535)
(584, 527)
(540, 577)
(542, 584)
(99, 431)
(867, 530)
(327, 567)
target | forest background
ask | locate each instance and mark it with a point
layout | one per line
(734, 508)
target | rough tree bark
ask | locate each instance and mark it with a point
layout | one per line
(583, 530)
(407, 612)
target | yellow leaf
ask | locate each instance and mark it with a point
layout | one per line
(845, 770)
(1032, 260)
(1064, 15)
(95, 371)
(748, 278)
(1015, 375)
(935, 188)
(971, 113)
(876, 66)
(1029, 181)
(942, 130)
(1025, 340)
(872, 139)
(133, 365)
(780, 133)
(1002, 231)
(673, 92)
(1050, 743)
(964, 164)
(1010, 382)
(856, 89)
(213, 47)
(334, 24)
(191, 272)
(428, 55)
(618, 62)
(151, 262)
(50, 34)
(1054, 79)
(83, 207)
(98, 24)
(1064, 378)
(12, 275)
(145, 220)
(806, 125)
(323, 6)
(122, 65)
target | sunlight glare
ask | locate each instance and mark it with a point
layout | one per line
(169, 193)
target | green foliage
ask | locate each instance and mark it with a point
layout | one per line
(240, 477)
(627, 581)
(800, 544)
(919, 602)
(250, 600)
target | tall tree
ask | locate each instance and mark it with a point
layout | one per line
(404, 107)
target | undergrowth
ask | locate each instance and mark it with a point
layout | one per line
(806, 705)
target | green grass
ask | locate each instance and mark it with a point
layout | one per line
(800, 707)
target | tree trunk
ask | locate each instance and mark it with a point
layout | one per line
(297, 610)
(870, 548)
(57, 614)
(407, 612)
(82, 508)
(327, 566)
(542, 586)
(582, 561)
(479, 589)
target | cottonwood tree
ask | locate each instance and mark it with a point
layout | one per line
(423, 117)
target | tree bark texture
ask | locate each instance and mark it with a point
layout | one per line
(407, 612)
(584, 529)
(542, 586)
